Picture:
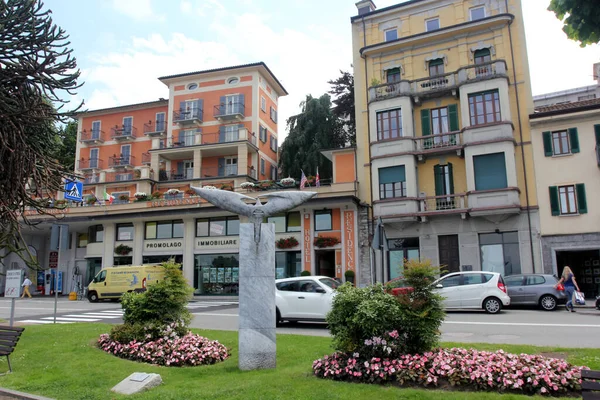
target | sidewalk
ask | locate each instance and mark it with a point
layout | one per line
(8, 394)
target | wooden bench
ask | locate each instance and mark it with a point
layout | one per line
(590, 387)
(9, 336)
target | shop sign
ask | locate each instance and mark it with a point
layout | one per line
(214, 243)
(349, 239)
(163, 244)
(174, 202)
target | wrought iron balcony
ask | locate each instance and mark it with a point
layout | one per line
(122, 161)
(123, 132)
(439, 144)
(229, 111)
(182, 140)
(218, 172)
(228, 137)
(91, 179)
(121, 176)
(190, 116)
(146, 158)
(155, 128)
(174, 175)
(92, 136)
(90, 164)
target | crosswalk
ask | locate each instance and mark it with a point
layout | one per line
(97, 316)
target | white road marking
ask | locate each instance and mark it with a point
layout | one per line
(105, 316)
(39, 321)
(521, 324)
(73, 319)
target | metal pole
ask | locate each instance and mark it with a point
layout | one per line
(57, 268)
(381, 247)
(12, 311)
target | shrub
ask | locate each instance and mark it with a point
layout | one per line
(305, 273)
(358, 314)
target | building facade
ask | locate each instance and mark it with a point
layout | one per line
(566, 143)
(444, 149)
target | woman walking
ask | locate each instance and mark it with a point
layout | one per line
(570, 284)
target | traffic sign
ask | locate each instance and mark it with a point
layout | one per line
(73, 190)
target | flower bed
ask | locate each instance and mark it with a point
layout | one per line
(173, 351)
(462, 368)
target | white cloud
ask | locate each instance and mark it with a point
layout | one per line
(139, 10)
(186, 6)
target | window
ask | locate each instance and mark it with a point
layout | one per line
(439, 121)
(286, 223)
(392, 75)
(96, 234)
(432, 24)
(323, 220)
(216, 274)
(164, 229)
(192, 86)
(476, 279)
(444, 185)
(273, 115)
(178, 258)
(262, 133)
(581, 98)
(93, 161)
(273, 143)
(512, 281)
(490, 171)
(124, 232)
(273, 172)
(391, 34)
(436, 67)
(233, 81)
(560, 143)
(484, 108)
(392, 182)
(96, 130)
(500, 252)
(121, 197)
(263, 104)
(82, 240)
(262, 166)
(389, 124)
(477, 13)
(126, 260)
(482, 56)
(400, 250)
(535, 280)
(451, 281)
(219, 226)
(127, 126)
(568, 199)
(288, 264)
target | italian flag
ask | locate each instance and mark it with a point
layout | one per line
(108, 197)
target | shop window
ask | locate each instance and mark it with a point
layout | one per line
(500, 252)
(220, 226)
(96, 234)
(216, 274)
(124, 232)
(82, 240)
(122, 261)
(162, 258)
(288, 264)
(164, 229)
(323, 220)
(401, 250)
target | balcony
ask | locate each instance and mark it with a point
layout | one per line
(93, 137)
(125, 161)
(90, 164)
(484, 71)
(435, 86)
(442, 205)
(174, 175)
(146, 158)
(122, 176)
(155, 128)
(229, 111)
(182, 140)
(90, 179)
(399, 208)
(500, 131)
(494, 202)
(123, 132)
(187, 117)
(389, 90)
(218, 172)
(228, 137)
(439, 144)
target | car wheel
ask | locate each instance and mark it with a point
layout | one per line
(492, 305)
(277, 317)
(548, 302)
(93, 297)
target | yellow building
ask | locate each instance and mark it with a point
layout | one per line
(442, 98)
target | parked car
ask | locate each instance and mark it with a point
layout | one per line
(304, 298)
(473, 290)
(535, 290)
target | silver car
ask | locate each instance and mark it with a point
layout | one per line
(535, 290)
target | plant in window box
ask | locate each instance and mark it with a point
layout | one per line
(287, 181)
(60, 203)
(209, 187)
(91, 200)
(326, 241)
(156, 195)
(124, 197)
(226, 186)
(265, 185)
(286, 243)
(140, 196)
(173, 192)
(190, 192)
(123, 249)
(247, 185)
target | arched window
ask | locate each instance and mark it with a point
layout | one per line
(482, 56)
(436, 67)
(392, 75)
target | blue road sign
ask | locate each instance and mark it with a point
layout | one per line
(73, 190)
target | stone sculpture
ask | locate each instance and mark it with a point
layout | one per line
(257, 346)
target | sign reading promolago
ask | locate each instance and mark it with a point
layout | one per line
(158, 245)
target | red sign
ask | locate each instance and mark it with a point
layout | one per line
(307, 244)
(349, 240)
(53, 259)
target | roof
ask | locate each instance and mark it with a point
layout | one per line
(206, 71)
(381, 10)
(565, 108)
(147, 104)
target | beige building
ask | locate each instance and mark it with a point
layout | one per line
(566, 142)
(442, 97)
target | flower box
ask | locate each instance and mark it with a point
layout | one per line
(286, 243)
(326, 241)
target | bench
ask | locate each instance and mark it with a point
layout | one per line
(9, 336)
(590, 387)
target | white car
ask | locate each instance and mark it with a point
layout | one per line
(473, 290)
(304, 298)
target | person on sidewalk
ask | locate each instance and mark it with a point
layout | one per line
(570, 284)
(26, 284)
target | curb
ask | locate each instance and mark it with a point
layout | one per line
(13, 394)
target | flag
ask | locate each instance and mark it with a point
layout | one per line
(317, 180)
(108, 197)
(303, 181)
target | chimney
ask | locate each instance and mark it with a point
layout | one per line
(365, 6)
(597, 72)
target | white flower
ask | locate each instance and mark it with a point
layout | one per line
(288, 181)
(246, 185)
(209, 187)
(139, 194)
(173, 191)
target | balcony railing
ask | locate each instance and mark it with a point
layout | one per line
(121, 161)
(146, 158)
(252, 172)
(91, 178)
(123, 132)
(93, 136)
(155, 128)
(89, 164)
(228, 137)
(219, 172)
(175, 175)
(393, 89)
(440, 141)
(121, 176)
(184, 140)
(229, 111)
(188, 116)
(488, 70)
(444, 203)
(434, 84)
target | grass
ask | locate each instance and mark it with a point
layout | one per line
(61, 361)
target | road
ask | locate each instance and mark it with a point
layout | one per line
(512, 326)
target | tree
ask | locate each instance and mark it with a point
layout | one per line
(67, 138)
(582, 22)
(37, 71)
(314, 129)
(343, 90)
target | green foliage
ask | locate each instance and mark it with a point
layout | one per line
(343, 90)
(161, 304)
(582, 22)
(126, 333)
(358, 314)
(349, 273)
(305, 273)
(67, 143)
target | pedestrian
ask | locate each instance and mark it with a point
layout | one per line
(570, 284)
(26, 284)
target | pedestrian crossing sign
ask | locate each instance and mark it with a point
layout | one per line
(73, 190)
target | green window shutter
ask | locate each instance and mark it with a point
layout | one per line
(438, 172)
(490, 171)
(581, 200)
(547, 144)
(554, 204)
(392, 174)
(597, 132)
(451, 178)
(453, 117)
(574, 140)
(425, 122)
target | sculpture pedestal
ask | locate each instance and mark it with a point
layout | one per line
(257, 345)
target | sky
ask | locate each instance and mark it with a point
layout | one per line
(123, 46)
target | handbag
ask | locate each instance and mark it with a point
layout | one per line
(560, 287)
(579, 298)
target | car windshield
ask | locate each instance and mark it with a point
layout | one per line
(332, 283)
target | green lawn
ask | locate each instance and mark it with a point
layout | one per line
(60, 361)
